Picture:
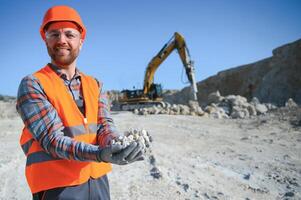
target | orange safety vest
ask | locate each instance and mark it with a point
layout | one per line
(43, 171)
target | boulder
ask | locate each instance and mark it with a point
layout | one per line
(184, 110)
(238, 112)
(291, 103)
(252, 110)
(261, 108)
(215, 97)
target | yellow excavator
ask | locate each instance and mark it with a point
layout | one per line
(151, 94)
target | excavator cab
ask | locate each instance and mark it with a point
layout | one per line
(155, 91)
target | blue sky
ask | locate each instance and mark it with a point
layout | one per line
(123, 36)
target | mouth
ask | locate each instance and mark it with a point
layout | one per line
(62, 50)
(59, 48)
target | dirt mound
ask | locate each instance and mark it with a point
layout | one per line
(8, 109)
(7, 98)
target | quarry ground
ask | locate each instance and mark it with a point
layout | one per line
(196, 157)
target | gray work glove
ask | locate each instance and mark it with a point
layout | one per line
(119, 155)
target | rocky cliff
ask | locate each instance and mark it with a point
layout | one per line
(271, 80)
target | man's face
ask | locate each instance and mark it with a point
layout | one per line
(63, 45)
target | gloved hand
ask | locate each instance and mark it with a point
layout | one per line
(117, 154)
(137, 154)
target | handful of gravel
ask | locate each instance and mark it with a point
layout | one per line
(134, 135)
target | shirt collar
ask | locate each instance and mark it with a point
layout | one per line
(59, 72)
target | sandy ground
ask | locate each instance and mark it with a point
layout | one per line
(197, 158)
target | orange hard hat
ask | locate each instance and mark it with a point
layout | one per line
(62, 13)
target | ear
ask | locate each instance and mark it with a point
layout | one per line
(81, 41)
(46, 43)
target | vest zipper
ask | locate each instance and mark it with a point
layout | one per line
(85, 121)
(86, 124)
(87, 128)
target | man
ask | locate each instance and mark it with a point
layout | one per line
(68, 132)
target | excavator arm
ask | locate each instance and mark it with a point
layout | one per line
(176, 42)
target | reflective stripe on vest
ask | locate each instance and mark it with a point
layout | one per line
(43, 171)
(38, 157)
(68, 131)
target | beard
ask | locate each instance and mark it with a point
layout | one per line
(62, 55)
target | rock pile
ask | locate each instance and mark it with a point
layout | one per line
(136, 135)
(231, 106)
(172, 109)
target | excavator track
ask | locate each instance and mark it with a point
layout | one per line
(140, 105)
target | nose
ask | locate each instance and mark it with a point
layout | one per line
(62, 38)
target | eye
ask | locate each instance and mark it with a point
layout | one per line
(70, 35)
(53, 35)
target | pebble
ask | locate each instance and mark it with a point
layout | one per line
(289, 194)
(152, 160)
(134, 135)
(155, 173)
(185, 187)
(247, 176)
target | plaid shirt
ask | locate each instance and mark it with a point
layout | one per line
(42, 120)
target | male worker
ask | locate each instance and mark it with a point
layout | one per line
(68, 130)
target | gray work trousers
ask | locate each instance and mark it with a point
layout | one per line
(93, 189)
